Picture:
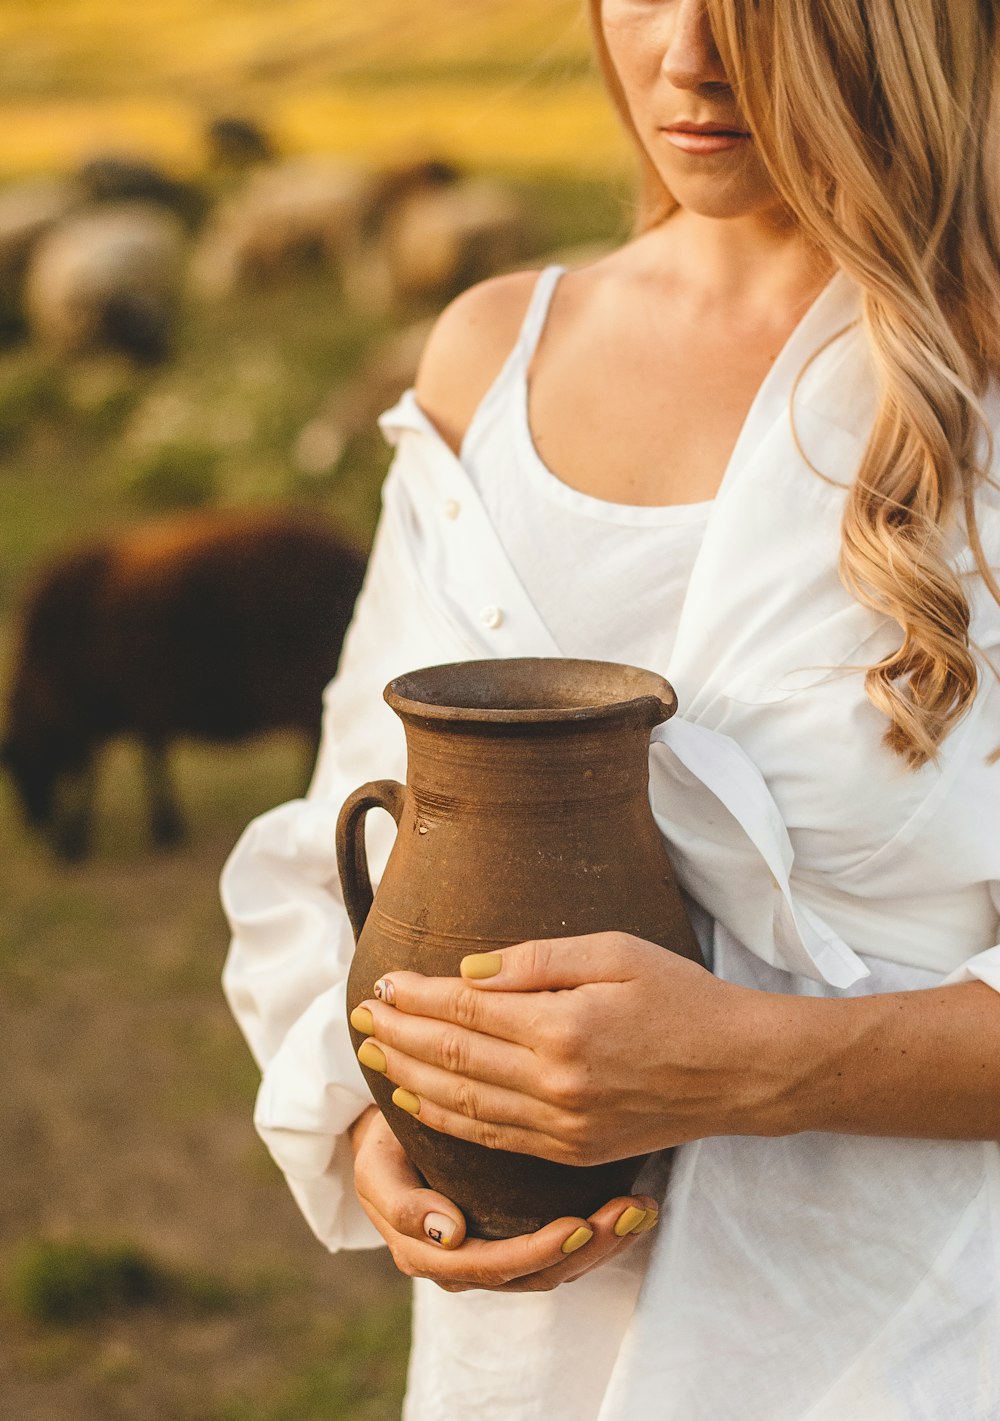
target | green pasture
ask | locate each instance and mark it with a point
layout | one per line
(152, 1264)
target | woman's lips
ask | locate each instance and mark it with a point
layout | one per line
(704, 142)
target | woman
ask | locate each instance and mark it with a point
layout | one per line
(754, 457)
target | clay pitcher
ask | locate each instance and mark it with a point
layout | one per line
(525, 815)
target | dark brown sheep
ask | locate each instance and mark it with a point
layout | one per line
(215, 626)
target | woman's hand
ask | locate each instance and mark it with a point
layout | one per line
(426, 1233)
(581, 1050)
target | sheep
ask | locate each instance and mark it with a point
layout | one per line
(237, 142)
(317, 210)
(125, 177)
(108, 279)
(303, 211)
(441, 240)
(28, 210)
(212, 625)
(436, 239)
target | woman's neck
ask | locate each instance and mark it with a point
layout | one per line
(750, 263)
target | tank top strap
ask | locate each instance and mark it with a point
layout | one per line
(537, 312)
(496, 403)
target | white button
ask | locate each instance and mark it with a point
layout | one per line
(452, 509)
(491, 617)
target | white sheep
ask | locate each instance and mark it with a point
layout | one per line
(436, 239)
(301, 211)
(107, 279)
(28, 209)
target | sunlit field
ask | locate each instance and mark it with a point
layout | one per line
(152, 1263)
(500, 84)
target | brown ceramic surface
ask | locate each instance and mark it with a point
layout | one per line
(525, 815)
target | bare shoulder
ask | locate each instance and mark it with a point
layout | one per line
(467, 347)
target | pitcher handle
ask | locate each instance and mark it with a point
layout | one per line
(352, 857)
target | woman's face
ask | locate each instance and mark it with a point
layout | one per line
(665, 57)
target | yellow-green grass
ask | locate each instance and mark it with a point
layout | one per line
(126, 1122)
(506, 85)
(121, 45)
(509, 128)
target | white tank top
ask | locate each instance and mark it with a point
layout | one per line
(602, 576)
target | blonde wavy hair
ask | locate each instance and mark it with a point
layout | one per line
(879, 124)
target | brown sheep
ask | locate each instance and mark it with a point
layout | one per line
(216, 626)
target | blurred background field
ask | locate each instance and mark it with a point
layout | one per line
(501, 83)
(152, 1264)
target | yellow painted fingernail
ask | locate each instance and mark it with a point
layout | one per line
(406, 1100)
(650, 1220)
(629, 1222)
(481, 965)
(577, 1240)
(363, 1021)
(373, 1057)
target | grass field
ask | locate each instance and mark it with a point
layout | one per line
(152, 1264)
(125, 1123)
(504, 84)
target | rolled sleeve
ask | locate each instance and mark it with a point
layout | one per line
(286, 982)
(330, 1205)
(285, 976)
(984, 967)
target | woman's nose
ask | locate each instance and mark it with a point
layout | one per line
(691, 59)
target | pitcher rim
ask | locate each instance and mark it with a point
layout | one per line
(661, 695)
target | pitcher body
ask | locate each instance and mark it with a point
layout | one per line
(525, 816)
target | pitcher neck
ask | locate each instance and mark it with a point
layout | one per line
(513, 765)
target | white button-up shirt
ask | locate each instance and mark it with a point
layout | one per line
(811, 1278)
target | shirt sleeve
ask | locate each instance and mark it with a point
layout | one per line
(285, 976)
(984, 966)
(981, 806)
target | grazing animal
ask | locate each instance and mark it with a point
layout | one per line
(28, 210)
(237, 142)
(216, 626)
(299, 213)
(108, 279)
(123, 177)
(437, 238)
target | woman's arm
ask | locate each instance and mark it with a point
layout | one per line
(589, 1049)
(923, 1064)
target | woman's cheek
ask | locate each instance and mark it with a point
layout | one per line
(636, 43)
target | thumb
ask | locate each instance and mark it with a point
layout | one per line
(388, 1185)
(550, 964)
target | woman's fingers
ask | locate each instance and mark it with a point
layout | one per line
(396, 1201)
(554, 964)
(478, 1263)
(386, 1181)
(443, 1094)
(615, 1227)
(452, 1048)
(449, 999)
(485, 1116)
